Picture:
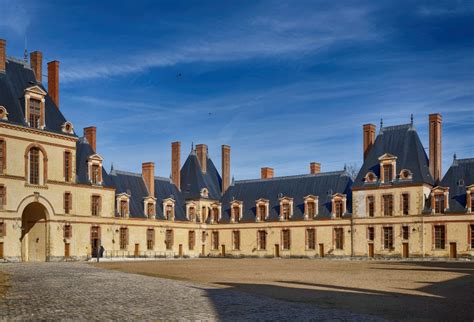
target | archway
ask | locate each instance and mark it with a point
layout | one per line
(34, 233)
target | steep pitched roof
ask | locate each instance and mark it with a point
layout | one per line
(13, 83)
(83, 152)
(193, 180)
(459, 176)
(403, 142)
(323, 185)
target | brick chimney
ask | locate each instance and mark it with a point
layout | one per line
(3, 55)
(267, 173)
(148, 174)
(369, 137)
(90, 135)
(225, 168)
(53, 81)
(435, 146)
(315, 167)
(36, 62)
(176, 164)
(201, 150)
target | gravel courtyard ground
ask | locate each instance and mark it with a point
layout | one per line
(392, 290)
(80, 291)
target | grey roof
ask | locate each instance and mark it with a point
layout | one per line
(193, 180)
(134, 185)
(459, 176)
(323, 185)
(83, 152)
(403, 142)
(13, 83)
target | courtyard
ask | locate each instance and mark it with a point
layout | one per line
(237, 289)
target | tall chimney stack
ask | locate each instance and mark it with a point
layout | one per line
(266, 173)
(148, 174)
(176, 164)
(435, 146)
(315, 167)
(36, 62)
(369, 137)
(3, 55)
(53, 81)
(201, 150)
(225, 168)
(90, 135)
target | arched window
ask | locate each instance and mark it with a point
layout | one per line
(34, 166)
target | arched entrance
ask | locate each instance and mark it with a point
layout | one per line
(34, 233)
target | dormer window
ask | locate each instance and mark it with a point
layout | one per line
(262, 209)
(439, 200)
(387, 173)
(95, 174)
(67, 128)
(310, 207)
(470, 198)
(286, 208)
(236, 211)
(339, 201)
(406, 174)
(169, 209)
(150, 207)
(34, 107)
(3, 113)
(192, 213)
(35, 113)
(387, 167)
(204, 193)
(370, 177)
(95, 169)
(123, 205)
(215, 212)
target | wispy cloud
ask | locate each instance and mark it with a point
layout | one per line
(14, 16)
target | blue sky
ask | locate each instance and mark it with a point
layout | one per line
(283, 83)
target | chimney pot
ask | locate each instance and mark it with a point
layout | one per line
(36, 62)
(148, 174)
(315, 167)
(176, 164)
(369, 137)
(90, 135)
(225, 168)
(3, 55)
(201, 150)
(435, 135)
(267, 173)
(53, 81)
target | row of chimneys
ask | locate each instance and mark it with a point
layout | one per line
(268, 173)
(435, 134)
(36, 63)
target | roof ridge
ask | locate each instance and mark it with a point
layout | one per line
(465, 160)
(162, 178)
(309, 175)
(129, 173)
(397, 127)
(18, 61)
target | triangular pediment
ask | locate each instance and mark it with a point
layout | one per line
(96, 157)
(36, 89)
(387, 156)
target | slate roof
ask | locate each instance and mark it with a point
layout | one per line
(133, 184)
(193, 180)
(13, 83)
(403, 142)
(459, 176)
(323, 185)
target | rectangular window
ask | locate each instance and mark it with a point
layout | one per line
(472, 201)
(472, 236)
(387, 173)
(405, 203)
(191, 240)
(169, 239)
(67, 166)
(339, 208)
(261, 240)
(339, 238)
(123, 208)
(439, 237)
(387, 237)
(311, 238)
(215, 240)
(203, 237)
(371, 205)
(169, 212)
(387, 205)
(95, 205)
(95, 239)
(262, 212)
(150, 238)
(236, 240)
(123, 238)
(34, 166)
(215, 214)
(35, 113)
(3, 196)
(3, 154)
(370, 233)
(236, 213)
(67, 202)
(311, 209)
(2, 229)
(95, 174)
(439, 203)
(150, 210)
(405, 232)
(285, 211)
(286, 239)
(67, 231)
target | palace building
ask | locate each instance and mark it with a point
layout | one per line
(57, 202)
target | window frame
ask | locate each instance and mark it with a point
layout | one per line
(387, 238)
(310, 238)
(338, 238)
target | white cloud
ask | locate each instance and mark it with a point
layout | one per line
(14, 16)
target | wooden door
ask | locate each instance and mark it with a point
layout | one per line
(405, 250)
(223, 250)
(321, 250)
(180, 250)
(67, 250)
(1, 250)
(277, 250)
(371, 250)
(137, 250)
(452, 250)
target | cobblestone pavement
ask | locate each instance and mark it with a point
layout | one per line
(81, 291)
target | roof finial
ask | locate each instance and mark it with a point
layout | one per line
(381, 122)
(454, 156)
(192, 146)
(25, 53)
(345, 167)
(111, 167)
(411, 119)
